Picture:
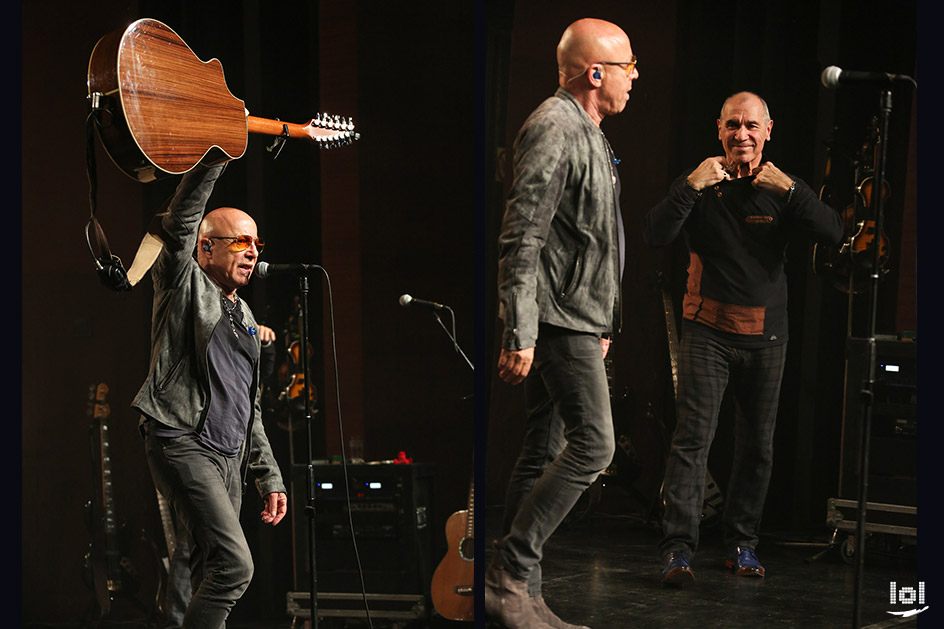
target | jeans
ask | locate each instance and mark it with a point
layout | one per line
(568, 443)
(205, 490)
(706, 368)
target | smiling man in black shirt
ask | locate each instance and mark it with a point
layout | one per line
(736, 212)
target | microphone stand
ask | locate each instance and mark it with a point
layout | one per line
(452, 335)
(867, 392)
(310, 474)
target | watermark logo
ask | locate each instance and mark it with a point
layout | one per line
(907, 596)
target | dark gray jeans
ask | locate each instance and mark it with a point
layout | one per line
(205, 490)
(706, 369)
(568, 442)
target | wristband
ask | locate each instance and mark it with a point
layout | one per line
(793, 187)
(693, 188)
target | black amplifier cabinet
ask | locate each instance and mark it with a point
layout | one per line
(893, 457)
(391, 513)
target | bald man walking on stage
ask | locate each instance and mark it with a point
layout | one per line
(560, 263)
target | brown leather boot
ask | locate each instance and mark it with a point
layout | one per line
(544, 613)
(507, 601)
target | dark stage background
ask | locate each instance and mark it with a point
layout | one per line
(692, 55)
(414, 207)
(392, 214)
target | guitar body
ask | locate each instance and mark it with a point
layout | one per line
(169, 110)
(161, 110)
(94, 571)
(453, 582)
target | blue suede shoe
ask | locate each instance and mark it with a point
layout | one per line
(676, 569)
(744, 562)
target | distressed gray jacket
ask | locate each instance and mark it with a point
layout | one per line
(559, 258)
(187, 308)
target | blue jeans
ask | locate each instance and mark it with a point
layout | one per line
(568, 442)
(205, 490)
(707, 368)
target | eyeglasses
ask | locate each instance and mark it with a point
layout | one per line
(241, 243)
(630, 65)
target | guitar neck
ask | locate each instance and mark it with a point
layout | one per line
(469, 524)
(108, 511)
(167, 524)
(321, 129)
(100, 412)
(671, 330)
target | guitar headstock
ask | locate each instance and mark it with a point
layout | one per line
(99, 408)
(331, 131)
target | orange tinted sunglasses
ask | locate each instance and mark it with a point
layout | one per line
(241, 243)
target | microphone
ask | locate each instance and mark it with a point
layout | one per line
(264, 269)
(834, 76)
(406, 301)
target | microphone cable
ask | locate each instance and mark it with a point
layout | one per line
(347, 484)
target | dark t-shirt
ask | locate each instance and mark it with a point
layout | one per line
(231, 356)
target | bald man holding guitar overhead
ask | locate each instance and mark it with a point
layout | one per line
(201, 412)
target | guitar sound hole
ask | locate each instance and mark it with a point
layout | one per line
(467, 549)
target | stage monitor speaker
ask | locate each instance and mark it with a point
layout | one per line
(893, 453)
(391, 508)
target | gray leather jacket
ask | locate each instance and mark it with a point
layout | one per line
(186, 310)
(559, 259)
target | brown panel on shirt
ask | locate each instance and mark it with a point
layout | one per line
(718, 315)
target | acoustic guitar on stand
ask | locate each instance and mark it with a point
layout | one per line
(453, 586)
(165, 110)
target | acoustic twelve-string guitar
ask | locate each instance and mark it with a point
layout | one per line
(168, 111)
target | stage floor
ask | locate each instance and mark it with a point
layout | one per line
(604, 572)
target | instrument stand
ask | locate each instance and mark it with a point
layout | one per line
(867, 392)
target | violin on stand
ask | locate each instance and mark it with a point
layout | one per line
(850, 264)
(293, 395)
(861, 213)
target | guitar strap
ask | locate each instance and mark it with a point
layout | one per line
(110, 270)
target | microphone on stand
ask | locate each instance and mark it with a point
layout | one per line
(834, 76)
(408, 301)
(264, 269)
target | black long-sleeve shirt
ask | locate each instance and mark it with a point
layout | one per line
(737, 237)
